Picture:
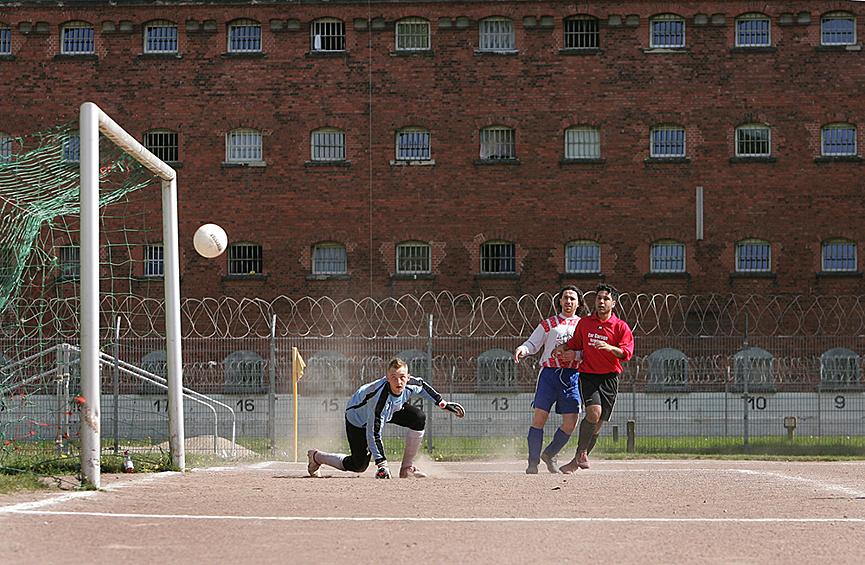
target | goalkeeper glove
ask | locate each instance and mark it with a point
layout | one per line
(453, 407)
(383, 472)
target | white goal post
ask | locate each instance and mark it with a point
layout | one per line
(93, 121)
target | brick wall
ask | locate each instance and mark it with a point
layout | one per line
(795, 201)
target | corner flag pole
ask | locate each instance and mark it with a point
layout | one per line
(297, 366)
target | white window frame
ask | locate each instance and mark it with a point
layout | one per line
(758, 258)
(327, 144)
(245, 258)
(756, 147)
(667, 256)
(582, 256)
(413, 258)
(163, 143)
(839, 255)
(244, 36)
(498, 142)
(496, 35)
(831, 36)
(160, 36)
(835, 144)
(667, 31)
(327, 34)
(753, 29)
(243, 145)
(581, 32)
(413, 144)
(412, 34)
(582, 142)
(329, 258)
(75, 39)
(154, 260)
(5, 39)
(498, 257)
(663, 141)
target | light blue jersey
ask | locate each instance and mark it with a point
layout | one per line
(374, 404)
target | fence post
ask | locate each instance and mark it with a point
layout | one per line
(745, 376)
(631, 437)
(429, 434)
(117, 387)
(271, 392)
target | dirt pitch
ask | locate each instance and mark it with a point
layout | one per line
(647, 512)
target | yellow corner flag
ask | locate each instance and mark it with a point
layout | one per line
(297, 364)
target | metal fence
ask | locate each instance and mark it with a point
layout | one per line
(742, 367)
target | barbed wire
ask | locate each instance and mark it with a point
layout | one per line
(451, 315)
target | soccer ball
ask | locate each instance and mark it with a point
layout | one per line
(210, 241)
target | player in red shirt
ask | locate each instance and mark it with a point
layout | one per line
(605, 341)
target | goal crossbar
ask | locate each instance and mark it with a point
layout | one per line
(93, 122)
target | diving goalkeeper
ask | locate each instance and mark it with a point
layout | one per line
(374, 404)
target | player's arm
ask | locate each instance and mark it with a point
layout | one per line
(431, 394)
(531, 345)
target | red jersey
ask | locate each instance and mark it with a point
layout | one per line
(614, 331)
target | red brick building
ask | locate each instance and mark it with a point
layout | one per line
(383, 148)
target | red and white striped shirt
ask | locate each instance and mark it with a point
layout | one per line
(550, 333)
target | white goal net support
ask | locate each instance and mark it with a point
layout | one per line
(93, 122)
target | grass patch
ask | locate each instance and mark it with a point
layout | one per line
(20, 482)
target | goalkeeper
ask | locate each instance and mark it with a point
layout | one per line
(374, 404)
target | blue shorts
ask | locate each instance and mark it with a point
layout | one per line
(559, 387)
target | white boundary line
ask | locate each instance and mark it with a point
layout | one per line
(469, 519)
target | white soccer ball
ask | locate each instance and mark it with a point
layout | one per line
(210, 241)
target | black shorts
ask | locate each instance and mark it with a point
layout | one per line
(600, 390)
(409, 416)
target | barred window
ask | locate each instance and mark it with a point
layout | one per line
(668, 141)
(327, 34)
(498, 142)
(838, 140)
(5, 40)
(413, 144)
(582, 142)
(582, 32)
(582, 256)
(838, 28)
(497, 34)
(8, 147)
(753, 30)
(413, 257)
(77, 38)
(160, 36)
(412, 34)
(329, 259)
(498, 257)
(244, 36)
(72, 149)
(154, 260)
(328, 144)
(753, 256)
(667, 30)
(753, 140)
(667, 256)
(839, 255)
(162, 143)
(245, 259)
(69, 258)
(243, 145)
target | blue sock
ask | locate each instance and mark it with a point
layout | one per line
(560, 440)
(536, 442)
